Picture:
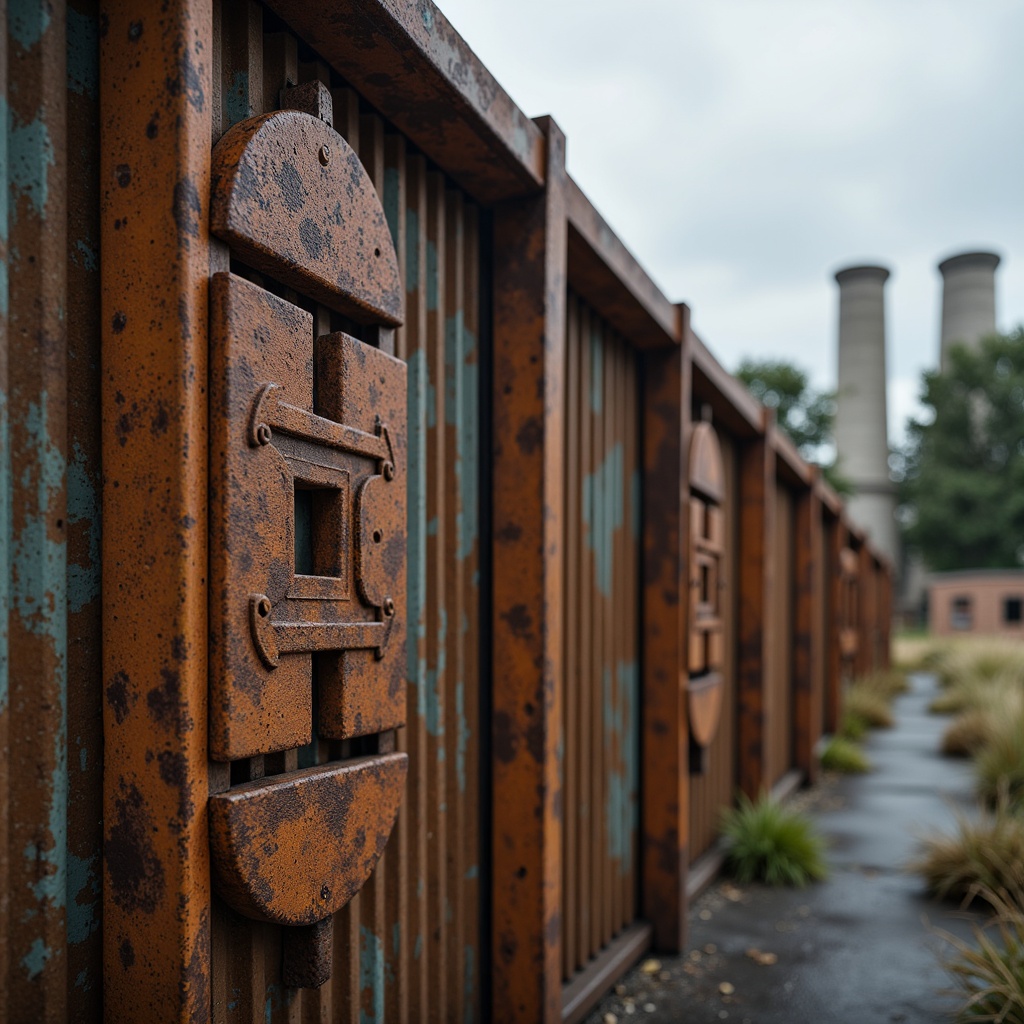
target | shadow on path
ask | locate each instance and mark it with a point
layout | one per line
(855, 949)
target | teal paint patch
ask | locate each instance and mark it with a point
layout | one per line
(83, 507)
(416, 527)
(432, 526)
(5, 288)
(412, 248)
(5, 554)
(472, 872)
(82, 981)
(236, 99)
(39, 598)
(83, 759)
(83, 895)
(30, 156)
(621, 733)
(434, 710)
(371, 976)
(468, 982)
(603, 513)
(635, 510)
(27, 20)
(392, 195)
(85, 256)
(35, 959)
(462, 739)
(432, 276)
(417, 948)
(596, 372)
(427, 15)
(462, 412)
(396, 938)
(431, 409)
(83, 54)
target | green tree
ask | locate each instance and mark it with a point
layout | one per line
(805, 414)
(963, 486)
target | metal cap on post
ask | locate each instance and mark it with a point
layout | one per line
(861, 433)
(968, 300)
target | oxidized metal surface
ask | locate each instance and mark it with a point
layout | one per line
(295, 848)
(808, 641)
(33, 707)
(601, 614)
(84, 482)
(756, 573)
(665, 818)
(412, 65)
(529, 354)
(292, 200)
(155, 99)
(269, 615)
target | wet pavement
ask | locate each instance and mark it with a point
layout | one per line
(857, 948)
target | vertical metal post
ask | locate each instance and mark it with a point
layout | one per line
(156, 100)
(665, 738)
(530, 252)
(757, 571)
(808, 688)
(36, 445)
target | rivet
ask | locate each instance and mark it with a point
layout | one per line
(389, 471)
(377, 536)
(325, 154)
(263, 434)
(325, 892)
(389, 607)
(264, 606)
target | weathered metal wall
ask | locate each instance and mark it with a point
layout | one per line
(601, 698)
(779, 682)
(408, 945)
(715, 788)
(50, 737)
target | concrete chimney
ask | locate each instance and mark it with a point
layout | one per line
(861, 428)
(968, 300)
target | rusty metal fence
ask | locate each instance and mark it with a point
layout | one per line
(626, 596)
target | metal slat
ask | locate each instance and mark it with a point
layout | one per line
(437, 623)
(570, 697)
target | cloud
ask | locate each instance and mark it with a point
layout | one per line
(745, 150)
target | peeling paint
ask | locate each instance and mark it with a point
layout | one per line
(433, 691)
(87, 257)
(27, 21)
(83, 54)
(596, 371)
(432, 276)
(30, 155)
(83, 507)
(603, 513)
(35, 959)
(412, 258)
(621, 728)
(83, 881)
(371, 976)
(236, 99)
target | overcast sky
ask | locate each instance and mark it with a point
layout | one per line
(746, 149)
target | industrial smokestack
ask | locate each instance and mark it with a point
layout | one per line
(968, 300)
(862, 440)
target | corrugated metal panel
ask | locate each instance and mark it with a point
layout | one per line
(779, 685)
(715, 788)
(408, 945)
(33, 515)
(601, 698)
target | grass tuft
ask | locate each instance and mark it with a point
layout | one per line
(843, 755)
(982, 855)
(989, 973)
(767, 842)
(999, 764)
(869, 705)
(968, 733)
